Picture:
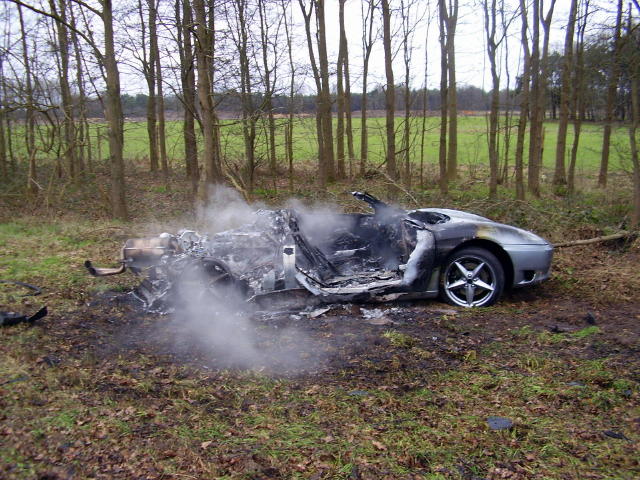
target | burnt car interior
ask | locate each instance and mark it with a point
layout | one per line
(280, 251)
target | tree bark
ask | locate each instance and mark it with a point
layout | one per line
(325, 98)
(29, 131)
(578, 97)
(204, 58)
(188, 82)
(113, 111)
(452, 154)
(69, 134)
(390, 98)
(524, 103)
(559, 176)
(367, 47)
(149, 71)
(612, 87)
(323, 167)
(444, 102)
(492, 47)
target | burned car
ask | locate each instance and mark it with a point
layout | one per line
(390, 254)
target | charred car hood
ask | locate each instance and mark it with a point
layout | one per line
(488, 229)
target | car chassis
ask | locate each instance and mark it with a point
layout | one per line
(391, 254)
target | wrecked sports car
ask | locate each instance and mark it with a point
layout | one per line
(390, 254)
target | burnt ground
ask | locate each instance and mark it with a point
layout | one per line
(352, 343)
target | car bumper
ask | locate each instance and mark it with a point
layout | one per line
(531, 263)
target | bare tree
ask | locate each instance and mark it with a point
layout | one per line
(204, 60)
(524, 102)
(634, 63)
(538, 91)
(69, 148)
(267, 38)
(578, 93)
(367, 47)
(613, 77)
(492, 48)
(32, 179)
(444, 94)
(184, 22)
(147, 58)
(288, 130)
(559, 177)
(452, 107)
(323, 96)
(340, 100)
(390, 99)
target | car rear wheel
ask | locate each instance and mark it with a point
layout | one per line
(472, 277)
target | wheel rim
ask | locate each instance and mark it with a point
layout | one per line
(470, 281)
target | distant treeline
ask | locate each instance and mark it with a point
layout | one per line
(470, 98)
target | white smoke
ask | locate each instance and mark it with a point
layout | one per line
(215, 320)
(225, 209)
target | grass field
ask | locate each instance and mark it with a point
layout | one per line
(98, 389)
(472, 142)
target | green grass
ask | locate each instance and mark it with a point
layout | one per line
(472, 142)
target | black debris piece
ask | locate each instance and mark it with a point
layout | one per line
(590, 318)
(8, 319)
(616, 435)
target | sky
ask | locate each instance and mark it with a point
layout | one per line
(472, 66)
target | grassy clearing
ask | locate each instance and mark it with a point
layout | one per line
(472, 142)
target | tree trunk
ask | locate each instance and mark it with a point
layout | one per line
(492, 47)
(325, 97)
(524, 104)
(340, 96)
(162, 136)
(268, 87)
(69, 134)
(390, 98)
(322, 157)
(578, 98)
(288, 129)
(113, 111)
(204, 58)
(406, 134)
(347, 98)
(635, 121)
(188, 79)
(29, 131)
(452, 154)
(444, 102)
(559, 176)
(82, 140)
(612, 87)
(367, 46)
(149, 71)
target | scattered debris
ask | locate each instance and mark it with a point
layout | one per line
(576, 384)
(8, 319)
(616, 435)
(34, 290)
(21, 378)
(317, 312)
(358, 393)
(499, 423)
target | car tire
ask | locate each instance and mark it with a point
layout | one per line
(472, 277)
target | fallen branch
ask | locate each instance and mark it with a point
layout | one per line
(589, 241)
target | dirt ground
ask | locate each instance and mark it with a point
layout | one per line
(342, 342)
